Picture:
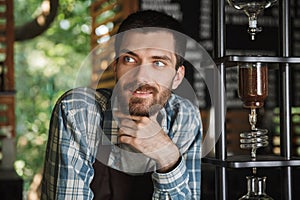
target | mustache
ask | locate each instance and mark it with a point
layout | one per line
(134, 86)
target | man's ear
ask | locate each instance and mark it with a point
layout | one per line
(114, 65)
(178, 77)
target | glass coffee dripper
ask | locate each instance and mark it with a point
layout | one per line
(253, 90)
(252, 8)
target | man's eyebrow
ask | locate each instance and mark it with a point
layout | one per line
(159, 57)
(127, 51)
(164, 57)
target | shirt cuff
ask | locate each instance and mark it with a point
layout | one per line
(172, 179)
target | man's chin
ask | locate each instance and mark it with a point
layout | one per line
(145, 111)
(139, 110)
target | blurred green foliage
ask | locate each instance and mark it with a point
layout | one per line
(45, 67)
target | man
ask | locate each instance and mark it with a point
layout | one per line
(156, 151)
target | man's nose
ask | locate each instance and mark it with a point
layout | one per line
(143, 73)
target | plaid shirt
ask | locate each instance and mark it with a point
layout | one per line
(77, 126)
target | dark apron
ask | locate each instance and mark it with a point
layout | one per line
(111, 184)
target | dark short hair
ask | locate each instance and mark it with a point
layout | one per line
(155, 19)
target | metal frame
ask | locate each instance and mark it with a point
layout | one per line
(285, 161)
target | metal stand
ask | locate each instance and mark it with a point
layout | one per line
(284, 161)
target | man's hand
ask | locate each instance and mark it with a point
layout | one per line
(146, 135)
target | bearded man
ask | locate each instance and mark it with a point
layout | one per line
(138, 141)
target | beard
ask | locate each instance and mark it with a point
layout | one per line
(149, 106)
(139, 106)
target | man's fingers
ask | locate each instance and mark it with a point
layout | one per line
(125, 138)
(127, 132)
(128, 123)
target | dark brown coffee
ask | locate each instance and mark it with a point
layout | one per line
(253, 84)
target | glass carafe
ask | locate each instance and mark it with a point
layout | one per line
(256, 187)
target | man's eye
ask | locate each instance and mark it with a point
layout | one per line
(129, 59)
(159, 64)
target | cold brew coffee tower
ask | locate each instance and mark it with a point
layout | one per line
(253, 90)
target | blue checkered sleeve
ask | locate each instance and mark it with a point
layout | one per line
(184, 127)
(71, 147)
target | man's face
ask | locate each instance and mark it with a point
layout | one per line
(145, 71)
